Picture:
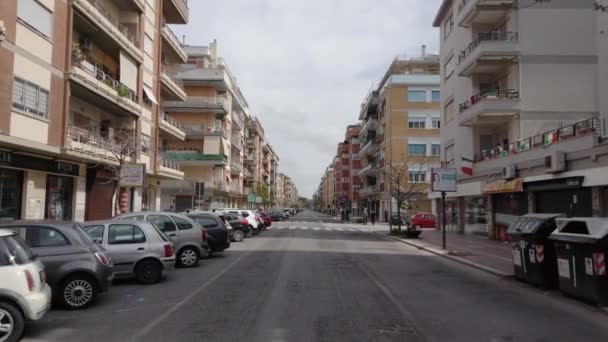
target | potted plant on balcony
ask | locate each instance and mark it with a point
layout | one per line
(77, 54)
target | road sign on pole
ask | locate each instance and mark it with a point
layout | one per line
(443, 180)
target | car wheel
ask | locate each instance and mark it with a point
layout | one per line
(188, 257)
(77, 292)
(148, 272)
(239, 235)
(11, 323)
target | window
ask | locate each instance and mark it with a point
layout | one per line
(435, 96)
(435, 149)
(148, 45)
(181, 223)
(145, 144)
(416, 122)
(95, 232)
(30, 98)
(448, 26)
(44, 237)
(59, 193)
(36, 16)
(417, 176)
(436, 123)
(11, 188)
(448, 111)
(206, 222)
(416, 96)
(14, 251)
(417, 149)
(124, 234)
(245, 214)
(448, 67)
(163, 223)
(344, 179)
(355, 156)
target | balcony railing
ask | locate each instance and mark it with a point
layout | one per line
(236, 166)
(164, 162)
(90, 66)
(111, 143)
(165, 69)
(171, 121)
(193, 155)
(237, 143)
(202, 130)
(114, 21)
(495, 36)
(544, 139)
(491, 94)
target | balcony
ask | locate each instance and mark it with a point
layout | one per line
(196, 158)
(172, 87)
(484, 12)
(219, 186)
(236, 168)
(199, 131)
(237, 143)
(176, 11)
(84, 143)
(572, 138)
(199, 104)
(370, 170)
(174, 43)
(236, 187)
(107, 26)
(247, 173)
(250, 157)
(90, 76)
(237, 122)
(490, 53)
(370, 147)
(371, 123)
(489, 107)
(250, 141)
(369, 190)
(168, 169)
(171, 127)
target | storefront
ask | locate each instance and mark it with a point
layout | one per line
(508, 202)
(100, 194)
(564, 195)
(11, 189)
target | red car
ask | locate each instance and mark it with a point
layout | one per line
(423, 220)
(266, 218)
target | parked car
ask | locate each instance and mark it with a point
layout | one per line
(77, 269)
(248, 215)
(399, 219)
(275, 215)
(136, 248)
(219, 239)
(423, 220)
(24, 293)
(267, 219)
(239, 225)
(188, 237)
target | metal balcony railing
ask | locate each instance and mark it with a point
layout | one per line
(164, 162)
(496, 36)
(578, 129)
(171, 121)
(494, 94)
(111, 141)
(90, 66)
(165, 69)
(114, 21)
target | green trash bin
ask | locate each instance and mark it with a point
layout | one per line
(533, 253)
(581, 246)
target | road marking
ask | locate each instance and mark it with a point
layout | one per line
(316, 228)
(291, 228)
(146, 329)
(339, 229)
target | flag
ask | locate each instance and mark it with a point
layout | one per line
(466, 165)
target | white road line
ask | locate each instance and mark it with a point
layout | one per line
(292, 228)
(316, 228)
(339, 229)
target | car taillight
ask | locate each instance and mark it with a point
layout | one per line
(168, 251)
(245, 222)
(204, 234)
(103, 259)
(30, 281)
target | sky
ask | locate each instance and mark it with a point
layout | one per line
(306, 66)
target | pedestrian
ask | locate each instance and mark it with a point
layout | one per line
(385, 215)
(373, 218)
(365, 215)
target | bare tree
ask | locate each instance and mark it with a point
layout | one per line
(402, 187)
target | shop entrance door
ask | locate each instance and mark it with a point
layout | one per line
(573, 203)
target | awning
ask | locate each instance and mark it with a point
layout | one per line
(150, 95)
(515, 185)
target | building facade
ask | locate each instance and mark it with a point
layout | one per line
(78, 96)
(523, 110)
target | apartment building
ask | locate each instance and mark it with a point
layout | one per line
(325, 192)
(287, 192)
(78, 90)
(353, 166)
(401, 121)
(214, 118)
(523, 110)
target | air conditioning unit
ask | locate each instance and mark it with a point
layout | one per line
(556, 162)
(509, 172)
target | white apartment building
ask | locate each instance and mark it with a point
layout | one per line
(522, 104)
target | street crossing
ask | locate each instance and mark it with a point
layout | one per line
(314, 227)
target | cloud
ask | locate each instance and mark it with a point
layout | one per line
(305, 66)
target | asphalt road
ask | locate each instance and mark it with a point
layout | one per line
(314, 279)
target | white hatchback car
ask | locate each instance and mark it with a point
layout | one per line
(24, 293)
(247, 214)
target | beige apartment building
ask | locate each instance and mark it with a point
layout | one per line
(79, 84)
(287, 192)
(523, 110)
(326, 191)
(401, 121)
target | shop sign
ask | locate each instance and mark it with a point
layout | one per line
(556, 184)
(28, 162)
(444, 179)
(251, 198)
(514, 185)
(133, 175)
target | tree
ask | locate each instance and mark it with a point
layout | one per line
(403, 188)
(262, 191)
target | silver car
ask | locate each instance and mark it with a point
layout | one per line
(136, 248)
(188, 237)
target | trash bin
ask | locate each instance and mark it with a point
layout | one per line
(533, 253)
(581, 245)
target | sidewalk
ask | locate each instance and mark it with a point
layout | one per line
(476, 251)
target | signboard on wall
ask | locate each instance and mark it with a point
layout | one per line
(443, 179)
(514, 185)
(28, 162)
(251, 198)
(132, 175)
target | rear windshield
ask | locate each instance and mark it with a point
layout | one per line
(14, 251)
(83, 235)
(161, 234)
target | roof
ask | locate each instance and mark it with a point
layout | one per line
(441, 12)
(55, 223)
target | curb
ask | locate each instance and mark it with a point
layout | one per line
(445, 254)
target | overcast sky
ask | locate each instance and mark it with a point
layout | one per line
(305, 66)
